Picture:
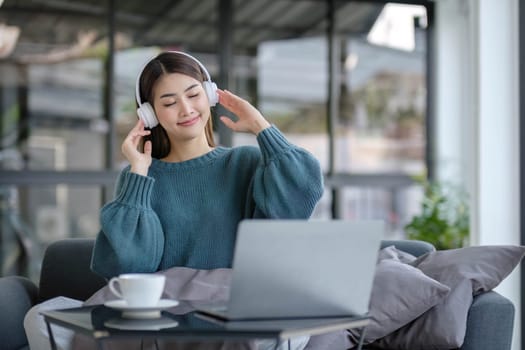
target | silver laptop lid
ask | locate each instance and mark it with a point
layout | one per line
(300, 268)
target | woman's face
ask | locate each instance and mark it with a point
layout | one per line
(181, 106)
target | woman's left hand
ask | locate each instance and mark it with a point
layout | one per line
(250, 119)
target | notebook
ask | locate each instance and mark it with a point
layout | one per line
(301, 268)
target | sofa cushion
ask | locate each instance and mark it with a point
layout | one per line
(467, 272)
(68, 260)
(400, 294)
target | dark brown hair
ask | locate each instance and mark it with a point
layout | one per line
(167, 63)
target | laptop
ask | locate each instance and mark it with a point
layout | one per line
(300, 269)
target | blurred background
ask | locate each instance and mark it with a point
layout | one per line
(345, 80)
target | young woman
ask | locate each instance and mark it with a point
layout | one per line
(181, 198)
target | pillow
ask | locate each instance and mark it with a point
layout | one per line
(391, 252)
(467, 272)
(484, 266)
(400, 293)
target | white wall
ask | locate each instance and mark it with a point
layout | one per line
(498, 159)
(454, 91)
(477, 116)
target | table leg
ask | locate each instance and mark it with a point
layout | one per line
(100, 344)
(361, 339)
(51, 337)
(278, 343)
(53, 343)
(155, 342)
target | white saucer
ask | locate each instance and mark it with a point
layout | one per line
(141, 324)
(141, 311)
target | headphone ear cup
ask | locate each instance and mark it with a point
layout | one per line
(147, 115)
(211, 91)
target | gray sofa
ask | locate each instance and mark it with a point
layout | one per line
(65, 271)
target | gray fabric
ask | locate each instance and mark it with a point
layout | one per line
(442, 327)
(410, 246)
(183, 283)
(400, 294)
(490, 323)
(392, 253)
(17, 296)
(484, 266)
(68, 260)
(36, 328)
(467, 271)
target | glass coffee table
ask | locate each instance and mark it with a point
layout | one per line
(182, 322)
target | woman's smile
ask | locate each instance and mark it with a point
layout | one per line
(189, 122)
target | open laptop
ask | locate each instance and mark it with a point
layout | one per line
(301, 268)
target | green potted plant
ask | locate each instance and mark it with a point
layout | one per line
(444, 217)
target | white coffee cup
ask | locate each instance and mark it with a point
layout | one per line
(138, 289)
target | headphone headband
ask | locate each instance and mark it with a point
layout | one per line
(137, 83)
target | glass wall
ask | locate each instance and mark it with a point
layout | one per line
(54, 127)
(380, 122)
(31, 217)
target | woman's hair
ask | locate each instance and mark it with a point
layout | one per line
(167, 63)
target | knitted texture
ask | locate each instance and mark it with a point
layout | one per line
(186, 213)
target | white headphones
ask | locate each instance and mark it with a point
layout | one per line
(145, 110)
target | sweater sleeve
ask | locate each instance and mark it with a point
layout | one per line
(288, 182)
(131, 237)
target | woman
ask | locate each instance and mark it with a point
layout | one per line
(181, 198)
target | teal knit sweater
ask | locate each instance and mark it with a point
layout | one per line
(186, 213)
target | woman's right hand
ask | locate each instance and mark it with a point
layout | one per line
(139, 161)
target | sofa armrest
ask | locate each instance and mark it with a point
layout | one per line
(490, 323)
(17, 295)
(414, 247)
